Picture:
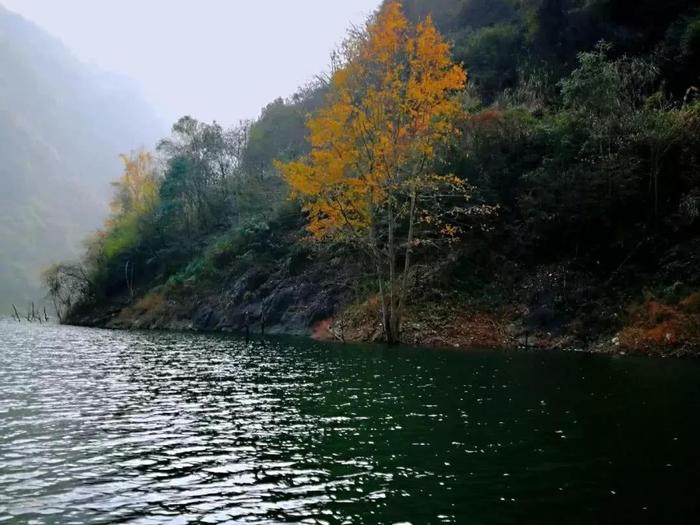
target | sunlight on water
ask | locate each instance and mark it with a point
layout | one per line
(114, 427)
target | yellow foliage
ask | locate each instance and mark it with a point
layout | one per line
(135, 197)
(389, 106)
(136, 192)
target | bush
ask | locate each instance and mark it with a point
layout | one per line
(657, 325)
(690, 41)
(491, 55)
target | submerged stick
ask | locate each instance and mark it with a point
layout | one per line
(19, 319)
(35, 317)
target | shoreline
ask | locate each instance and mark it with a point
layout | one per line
(326, 332)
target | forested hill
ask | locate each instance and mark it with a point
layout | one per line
(529, 170)
(63, 125)
(508, 44)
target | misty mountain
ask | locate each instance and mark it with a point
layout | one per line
(63, 124)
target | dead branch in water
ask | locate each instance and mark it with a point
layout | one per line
(34, 316)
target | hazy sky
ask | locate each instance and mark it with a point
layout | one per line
(212, 59)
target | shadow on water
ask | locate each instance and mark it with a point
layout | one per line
(114, 427)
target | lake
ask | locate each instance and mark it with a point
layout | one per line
(102, 426)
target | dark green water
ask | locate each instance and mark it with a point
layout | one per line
(110, 427)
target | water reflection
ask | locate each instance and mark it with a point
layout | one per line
(111, 427)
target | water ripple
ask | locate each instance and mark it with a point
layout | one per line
(147, 428)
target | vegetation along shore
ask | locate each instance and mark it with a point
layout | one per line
(488, 173)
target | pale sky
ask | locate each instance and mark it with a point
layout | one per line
(213, 59)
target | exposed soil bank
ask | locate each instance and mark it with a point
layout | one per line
(558, 310)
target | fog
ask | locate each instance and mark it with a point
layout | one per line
(212, 59)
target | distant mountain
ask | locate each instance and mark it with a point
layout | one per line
(62, 125)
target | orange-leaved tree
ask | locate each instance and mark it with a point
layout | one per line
(368, 179)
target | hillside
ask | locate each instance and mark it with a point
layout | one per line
(554, 201)
(62, 127)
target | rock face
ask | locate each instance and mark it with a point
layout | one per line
(270, 300)
(554, 306)
(274, 304)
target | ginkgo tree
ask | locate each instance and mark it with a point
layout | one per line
(369, 177)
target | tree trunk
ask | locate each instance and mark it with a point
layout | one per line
(376, 255)
(393, 321)
(407, 258)
(129, 278)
